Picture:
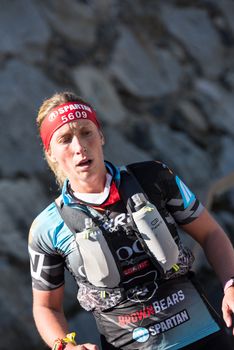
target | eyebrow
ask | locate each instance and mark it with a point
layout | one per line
(71, 128)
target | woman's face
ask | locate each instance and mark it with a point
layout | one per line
(77, 149)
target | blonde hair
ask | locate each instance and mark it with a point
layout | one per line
(54, 101)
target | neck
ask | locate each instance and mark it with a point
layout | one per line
(95, 184)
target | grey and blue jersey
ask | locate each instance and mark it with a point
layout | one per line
(51, 244)
(151, 313)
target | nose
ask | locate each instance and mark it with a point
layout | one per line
(77, 145)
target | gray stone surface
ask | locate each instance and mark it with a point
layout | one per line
(23, 29)
(193, 117)
(76, 21)
(120, 151)
(219, 106)
(23, 87)
(95, 86)
(144, 72)
(160, 75)
(22, 195)
(226, 159)
(190, 119)
(194, 29)
(181, 154)
(227, 9)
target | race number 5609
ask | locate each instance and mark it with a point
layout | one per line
(74, 115)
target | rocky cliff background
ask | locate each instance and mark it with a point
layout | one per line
(161, 77)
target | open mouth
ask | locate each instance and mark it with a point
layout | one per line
(85, 162)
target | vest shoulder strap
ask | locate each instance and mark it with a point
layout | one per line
(145, 174)
(74, 218)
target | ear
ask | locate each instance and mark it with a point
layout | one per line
(102, 138)
(51, 156)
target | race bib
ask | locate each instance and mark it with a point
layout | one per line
(174, 317)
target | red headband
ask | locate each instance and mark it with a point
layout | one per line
(63, 114)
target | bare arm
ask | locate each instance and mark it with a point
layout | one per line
(219, 252)
(50, 319)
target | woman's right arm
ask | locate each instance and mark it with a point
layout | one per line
(50, 319)
(48, 314)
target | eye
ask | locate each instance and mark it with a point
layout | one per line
(86, 132)
(65, 139)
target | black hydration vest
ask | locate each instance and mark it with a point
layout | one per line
(98, 282)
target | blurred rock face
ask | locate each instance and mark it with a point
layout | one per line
(161, 78)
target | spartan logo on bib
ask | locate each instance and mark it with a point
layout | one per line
(169, 323)
(140, 334)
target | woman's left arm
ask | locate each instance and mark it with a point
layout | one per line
(220, 254)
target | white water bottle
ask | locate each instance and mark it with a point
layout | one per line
(99, 264)
(155, 233)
